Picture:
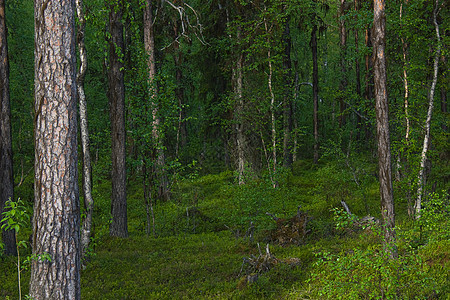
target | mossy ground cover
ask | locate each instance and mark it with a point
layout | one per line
(208, 233)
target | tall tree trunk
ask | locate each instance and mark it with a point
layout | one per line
(179, 92)
(426, 139)
(444, 91)
(382, 115)
(116, 95)
(238, 117)
(343, 62)
(6, 155)
(315, 92)
(357, 69)
(149, 42)
(56, 221)
(287, 102)
(87, 175)
(407, 119)
(368, 77)
(272, 111)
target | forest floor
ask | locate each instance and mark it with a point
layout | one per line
(217, 240)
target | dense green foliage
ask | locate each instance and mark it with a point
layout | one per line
(210, 239)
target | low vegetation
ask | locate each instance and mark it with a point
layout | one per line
(218, 240)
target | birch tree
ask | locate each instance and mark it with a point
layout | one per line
(82, 103)
(426, 139)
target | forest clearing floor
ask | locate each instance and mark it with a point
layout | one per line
(218, 240)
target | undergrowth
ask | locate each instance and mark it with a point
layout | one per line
(210, 230)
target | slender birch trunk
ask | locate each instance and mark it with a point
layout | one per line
(426, 139)
(272, 111)
(87, 175)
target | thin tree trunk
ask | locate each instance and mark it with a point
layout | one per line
(116, 95)
(368, 78)
(87, 179)
(149, 42)
(179, 92)
(444, 92)
(6, 154)
(315, 92)
(357, 70)
(426, 139)
(56, 220)
(272, 110)
(239, 122)
(382, 115)
(407, 119)
(287, 101)
(343, 62)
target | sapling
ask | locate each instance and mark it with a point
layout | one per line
(16, 217)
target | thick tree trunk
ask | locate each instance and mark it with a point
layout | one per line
(116, 95)
(382, 115)
(56, 221)
(6, 155)
(426, 139)
(149, 43)
(315, 92)
(87, 175)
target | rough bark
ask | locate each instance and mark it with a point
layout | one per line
(6, 154)
(426, 139)
(116, 96)
(149, 43)
(383, 139)
(56, 221)
(87, 175)
(315, 92)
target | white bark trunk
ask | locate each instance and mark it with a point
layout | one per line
(87, 176)
(426, 139)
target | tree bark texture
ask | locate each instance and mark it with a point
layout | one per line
(116, 95)
(6, 155)
(87, 169)
(56, 221)
(382, 116)
(149, 42)
(238, 117)
(315, 92)
(426, 139)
